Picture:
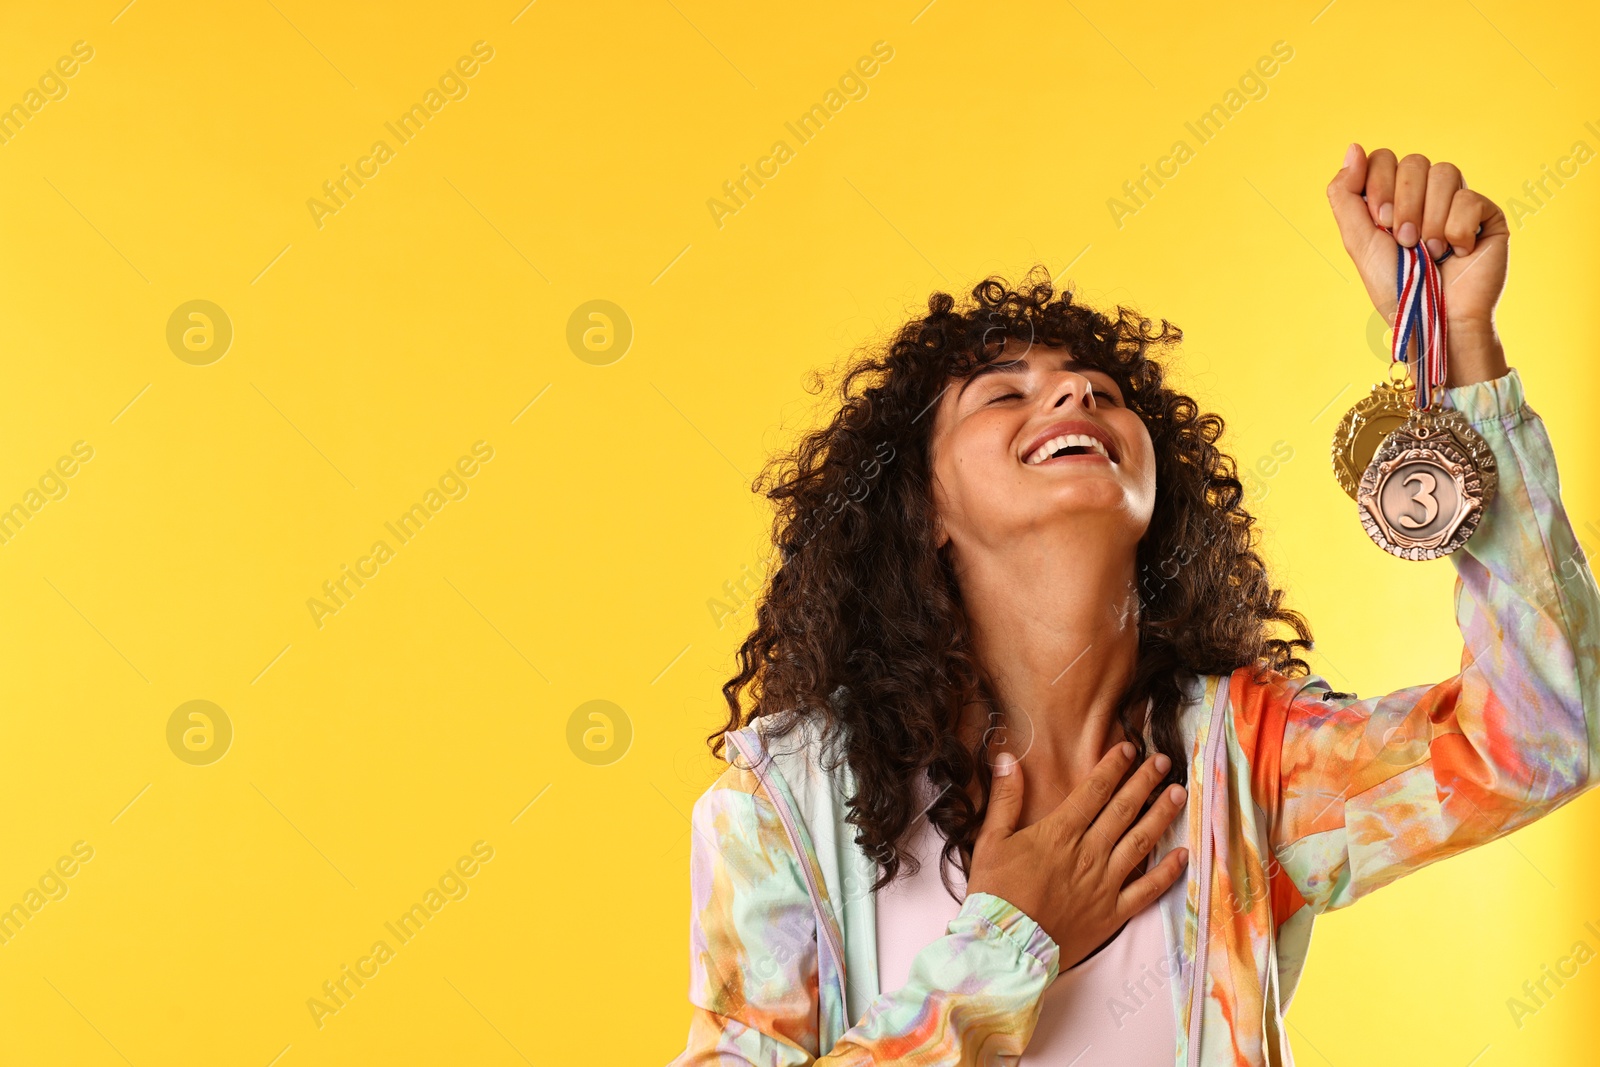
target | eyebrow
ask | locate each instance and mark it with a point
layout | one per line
(1019, 364)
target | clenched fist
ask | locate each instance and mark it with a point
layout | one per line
(1379, 202)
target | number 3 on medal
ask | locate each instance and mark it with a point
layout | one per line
(1423, 496)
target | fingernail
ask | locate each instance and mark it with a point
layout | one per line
(1385, 214)
(1183, 855)
(1350, 155)
(1435, 247)
(1408, 234)
(1162, 762)
(1177, 793)
(1004, 764)
(1458, 250)
(1127, 750)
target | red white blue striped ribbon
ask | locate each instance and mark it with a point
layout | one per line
(1421, 313)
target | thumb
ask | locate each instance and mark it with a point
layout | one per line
(1344, 195)
(1005, 796)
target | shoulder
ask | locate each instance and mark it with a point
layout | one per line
(737, 791)
(735, 778)
(1261, 698)
(767, 761)
(1270, 713)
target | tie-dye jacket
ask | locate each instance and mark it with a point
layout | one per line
(1302, 799)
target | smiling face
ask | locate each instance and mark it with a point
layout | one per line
(1037, 442)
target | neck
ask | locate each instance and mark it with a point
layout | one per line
(1053, 626)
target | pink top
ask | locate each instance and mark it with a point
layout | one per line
(1114, 1008)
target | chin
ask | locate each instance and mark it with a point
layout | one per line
(1090, 495)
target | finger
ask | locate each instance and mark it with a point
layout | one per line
(1115, 818)
(1137, 842)
(1380, 185)
(1410, 189)
(1344, 195)
(1468, 212)
(1143, 891)
(1444, 180)
(1078, 809)
(1005, 798)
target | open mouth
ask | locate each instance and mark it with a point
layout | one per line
(1068, 444)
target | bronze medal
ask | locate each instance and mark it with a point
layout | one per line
(1425, 489)
(1386, 409)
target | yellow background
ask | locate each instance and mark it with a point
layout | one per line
(431, 711)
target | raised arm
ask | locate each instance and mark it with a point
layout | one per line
(1361, 791)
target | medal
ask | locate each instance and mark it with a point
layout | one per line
(1426, 474)
(1385, 410)
(1364, 427)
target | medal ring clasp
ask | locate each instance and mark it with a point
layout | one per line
(1400, 374)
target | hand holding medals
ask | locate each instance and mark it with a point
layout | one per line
(1420, 475)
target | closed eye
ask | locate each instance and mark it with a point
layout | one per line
(1018, 396)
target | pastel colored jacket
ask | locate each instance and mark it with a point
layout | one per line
(1302, 799)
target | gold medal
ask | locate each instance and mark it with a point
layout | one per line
(1386, 409)
(1364, 427)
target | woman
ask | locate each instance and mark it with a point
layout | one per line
(1016, 681)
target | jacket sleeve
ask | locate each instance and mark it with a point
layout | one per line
(973, 993)
(1358, 792)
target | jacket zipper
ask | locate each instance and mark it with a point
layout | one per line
(786, 816)
(1208, 795)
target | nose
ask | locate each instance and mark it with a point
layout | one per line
(1070, 388)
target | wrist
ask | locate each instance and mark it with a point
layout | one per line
(1475, 354)
(1013, 925)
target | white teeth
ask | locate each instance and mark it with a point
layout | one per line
(1055, 444)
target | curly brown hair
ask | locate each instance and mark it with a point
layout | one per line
(862, 623)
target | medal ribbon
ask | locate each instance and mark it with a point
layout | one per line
(1421, 312)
